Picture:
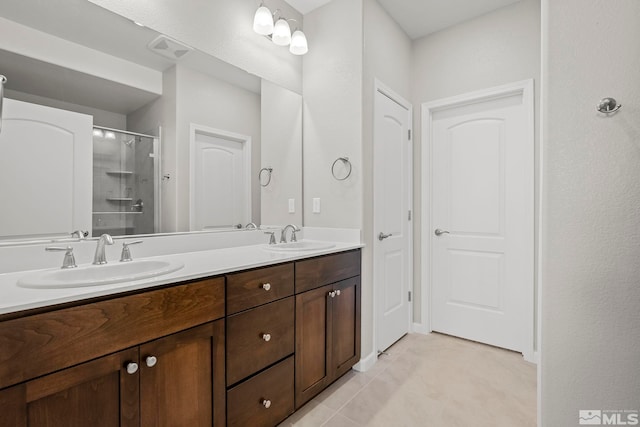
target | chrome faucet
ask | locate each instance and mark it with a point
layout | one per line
(283, 236)
(100, 258)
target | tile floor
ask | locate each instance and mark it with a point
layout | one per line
(430, 380)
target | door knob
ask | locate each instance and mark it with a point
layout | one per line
(132, 368)
(383, 236)
(151, 361)
(439, 232)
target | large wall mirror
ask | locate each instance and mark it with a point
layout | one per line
(112, 127)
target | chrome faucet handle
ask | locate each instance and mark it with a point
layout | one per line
(251, 225)
(80, 234)
(272, 238)
(125, 256)
(69, 259)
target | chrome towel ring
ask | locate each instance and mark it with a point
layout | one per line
(268, 171)
(347, 165)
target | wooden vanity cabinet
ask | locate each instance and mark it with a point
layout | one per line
(327, 323)
(160, 380)
(99, 393)
(260, 346)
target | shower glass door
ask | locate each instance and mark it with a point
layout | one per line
(125, 185)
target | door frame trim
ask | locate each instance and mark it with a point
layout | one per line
(385, 90)
(526, 89)
(194, 129)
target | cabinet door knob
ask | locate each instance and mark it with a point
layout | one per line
(332, 294)
(338, 292)
(132, 368)
(151, 361)
(266, 403)
(266, 286)
(266, 337)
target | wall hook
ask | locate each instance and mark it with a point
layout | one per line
(608, 106)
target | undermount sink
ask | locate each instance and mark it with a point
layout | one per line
(307, 245)
(96, 275)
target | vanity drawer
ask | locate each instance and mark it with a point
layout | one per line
(248, 350)
(247, 402)
(247, 289)
(35, 345)
(315, 272)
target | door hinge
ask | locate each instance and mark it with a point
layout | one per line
(409, 132)
(409, 216)
(409, 296)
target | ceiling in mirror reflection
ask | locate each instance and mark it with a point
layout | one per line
(85, 24)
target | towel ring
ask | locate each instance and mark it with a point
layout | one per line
(347, 164)
(268, 171)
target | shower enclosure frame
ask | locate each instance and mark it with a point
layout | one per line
(157, 175)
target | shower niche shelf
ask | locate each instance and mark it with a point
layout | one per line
(120, 173)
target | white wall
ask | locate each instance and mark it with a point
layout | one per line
(281, 149)
(332, 92)
(591, 216)
(221, 28)
(383, 39)
(491, 50)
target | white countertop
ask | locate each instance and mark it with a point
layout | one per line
(200, 264)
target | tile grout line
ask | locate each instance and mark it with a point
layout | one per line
(368, 383)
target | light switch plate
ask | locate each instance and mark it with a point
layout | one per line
(316, 205)
(292, 205)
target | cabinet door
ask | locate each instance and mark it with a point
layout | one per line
(313, 326)
(99, 393)
(345, 332)
(182, 378)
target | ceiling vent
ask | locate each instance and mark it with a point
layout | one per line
(169, 48)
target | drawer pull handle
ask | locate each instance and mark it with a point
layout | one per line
(266, 403)
(151, 361)
(132, 368)
(266, 337)
(266, 286)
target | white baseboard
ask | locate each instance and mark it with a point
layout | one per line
(421, 328)
(366, 363)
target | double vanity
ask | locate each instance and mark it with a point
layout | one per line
(238, 336)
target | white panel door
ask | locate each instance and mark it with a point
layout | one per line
(482, 207)
(45, 171)
(220, 183)
(392, 224)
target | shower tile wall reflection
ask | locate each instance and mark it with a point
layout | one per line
(124, 188)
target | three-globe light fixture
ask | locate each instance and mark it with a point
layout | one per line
(279, 31)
